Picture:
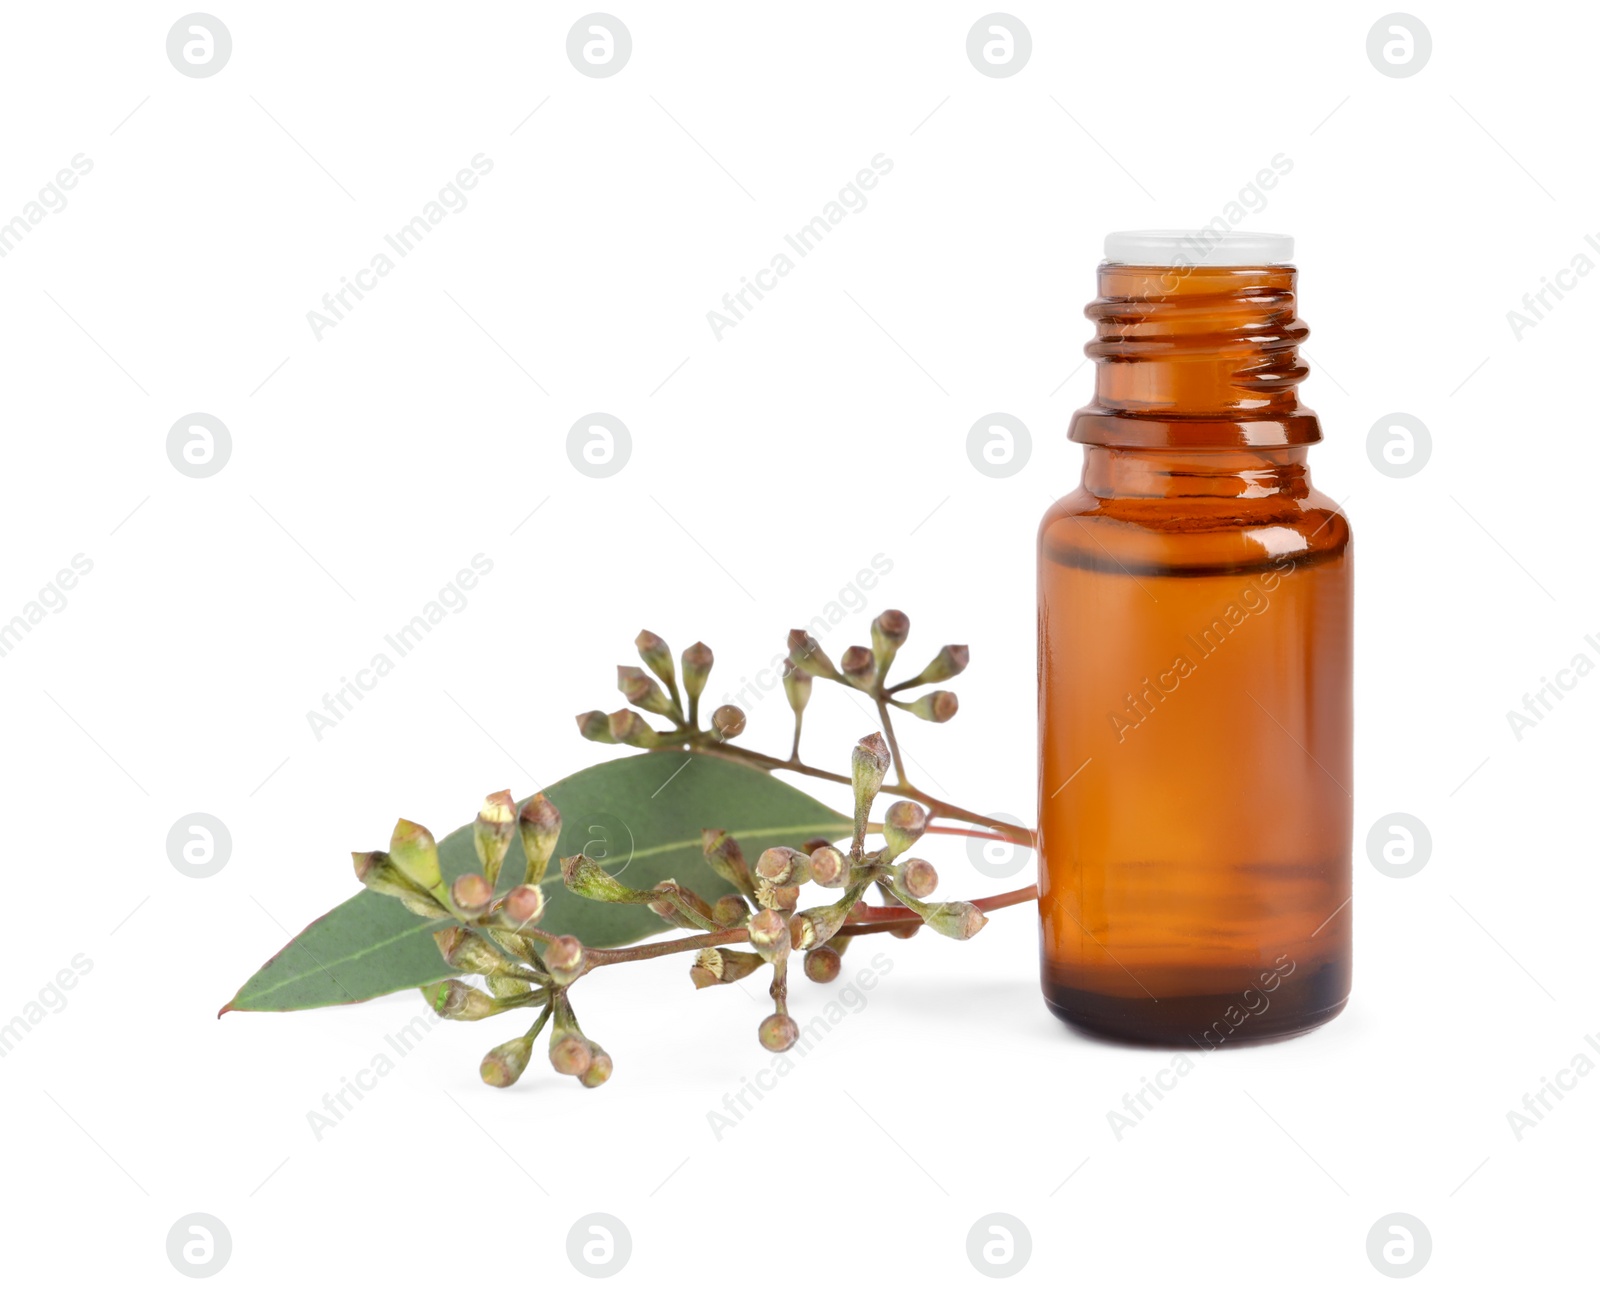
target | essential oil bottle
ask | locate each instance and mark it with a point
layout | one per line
(1195, 598)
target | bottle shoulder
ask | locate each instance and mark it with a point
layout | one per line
(1187, 532)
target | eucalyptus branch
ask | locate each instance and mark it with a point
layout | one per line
(525, 966)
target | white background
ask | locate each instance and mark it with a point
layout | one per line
(768, 467)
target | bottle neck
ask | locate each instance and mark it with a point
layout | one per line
(1196, 357)
(1238, 473)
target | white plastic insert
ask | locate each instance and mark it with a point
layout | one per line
(1167, 247)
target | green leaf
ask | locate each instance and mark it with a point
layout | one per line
(640, 817)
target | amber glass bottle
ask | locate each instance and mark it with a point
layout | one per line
(1195, 666)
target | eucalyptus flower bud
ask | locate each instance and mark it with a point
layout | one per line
(769, 936)
(730, 911)
(471, 894)
(859, 667)
(784, 866)
(643, 690)
(492, 831)
(415, 855)
(570, 1052)
(889, 632)
(657, 655)
(464, 950)
(814, 927)
(903, 825)
(796, 686)
(720, 964)
(522, 907)
(540, 826)
(776, 897)
(935, 706)
(628, 728)
(599, 1070)
(681, 907)
(697, 662)
(918, 877)
(958, 920)
(778, 1032)
(822, 964)
(587, 878)
(809, 657)
(460, 1002)
(830, 867)
(869, 764)
(727, 721)
(504, 1064)
(596, 726)
(377, 872)
(723, 855)
(950, 661)
(564, 958)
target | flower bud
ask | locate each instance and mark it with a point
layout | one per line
(777, 897)
(522, 906)
(918, 877)
(869, 763)
(727, 721)
(950, 661)
(643, 690)
(697, 661)
(809, 657)
(415, 855)
(628, 728)
(504, 1064)
(587, 878)
(814, 927)
(596, 726)
(778, 1032)
(456, 1000)
(859, 667)
(492, 831)
(570, 1053)
(464, 950)
(822, 964)
(958, 920)
(730, 911)
(599, 1070)
(723, 855)
(675, 898)
(936, 706)
(377, 872)
(889, 632)
(719, 964)
(657, 655)
(540, 826)
(471, 894)
(769, 935)
(796, 686)
(784, 866)
(564, 958)
(903, 825)
(830, 867)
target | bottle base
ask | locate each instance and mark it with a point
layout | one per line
(1207, 1022)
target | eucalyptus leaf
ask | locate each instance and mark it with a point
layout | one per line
(640, 817)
